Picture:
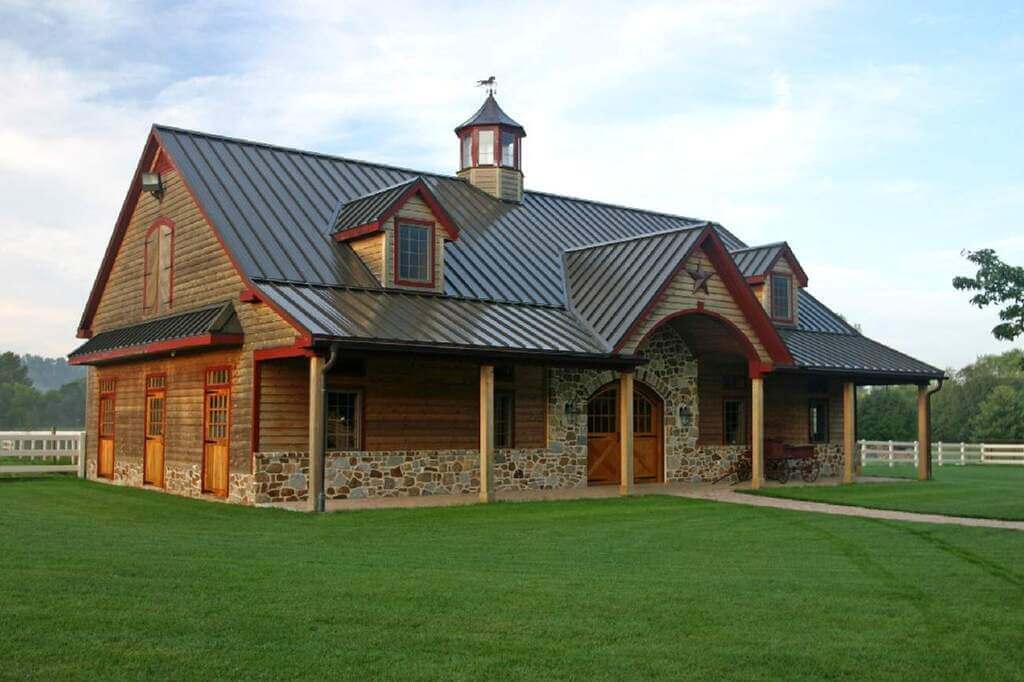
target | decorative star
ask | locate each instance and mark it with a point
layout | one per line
(700, 280)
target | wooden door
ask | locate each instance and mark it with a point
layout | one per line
(215, 441)
(603, 436)
(105, 450)
(647, 440)
(156, 421)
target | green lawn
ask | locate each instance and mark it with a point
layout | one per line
(99, 581)
(984, 491)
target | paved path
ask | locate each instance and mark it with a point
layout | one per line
(720, 495)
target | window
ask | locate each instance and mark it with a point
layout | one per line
(508, 149)
(485, 148)
(414, 251)
(782, 300)
(467, 151)
(343, 420)
(504, 419)
(818, 415)
(159, 258)
(601, 417)
(734, 431)
(643, 414)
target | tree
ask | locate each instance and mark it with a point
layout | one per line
(997, 283)
(12, 370)
(1000, 416)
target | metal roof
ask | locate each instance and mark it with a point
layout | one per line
(852, 353)
(389, 316)
(370, 207)
(755, 260)
(609, 284)
(218, 318)
(490, 113)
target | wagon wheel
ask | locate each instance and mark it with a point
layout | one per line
(782, 472)
(811, 471)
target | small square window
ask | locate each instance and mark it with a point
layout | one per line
(414, 253)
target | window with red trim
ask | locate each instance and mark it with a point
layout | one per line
(158, 269)
(414, 253)
(782, 297)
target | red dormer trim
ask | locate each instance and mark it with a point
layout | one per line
(431, 258)
(787, 253)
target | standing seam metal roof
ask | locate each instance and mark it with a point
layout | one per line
(206, 320)
(370, 207)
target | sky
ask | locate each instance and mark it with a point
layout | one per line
(880, 139)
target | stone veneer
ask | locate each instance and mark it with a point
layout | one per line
(185, 481)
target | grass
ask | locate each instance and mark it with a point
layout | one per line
(982, 491)
(108, 582)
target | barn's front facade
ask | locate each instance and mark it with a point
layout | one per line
(270, 325)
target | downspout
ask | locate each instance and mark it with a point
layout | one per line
(931, 392)
(321, 499)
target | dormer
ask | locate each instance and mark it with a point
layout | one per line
(491, 152)
(776, 277)
(399, 232)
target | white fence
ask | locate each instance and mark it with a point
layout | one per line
(895, 452)
(27, 452)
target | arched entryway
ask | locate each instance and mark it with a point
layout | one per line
(603, 459)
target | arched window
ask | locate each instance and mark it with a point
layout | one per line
(159, 266)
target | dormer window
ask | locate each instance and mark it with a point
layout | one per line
(485, 147)
(414, 253)
(157, 269)
(782, 297)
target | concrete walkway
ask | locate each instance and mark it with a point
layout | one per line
(733, 497)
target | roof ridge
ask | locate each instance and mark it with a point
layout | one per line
(422, 294)
(649, 235)
(445, 176)
(755, 247)
(383, 189)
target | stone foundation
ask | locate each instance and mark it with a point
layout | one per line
(182, 480)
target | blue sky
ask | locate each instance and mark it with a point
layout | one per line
(879, 139)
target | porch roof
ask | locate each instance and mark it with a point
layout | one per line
(215, 325)
(388, 317)
(853, 353)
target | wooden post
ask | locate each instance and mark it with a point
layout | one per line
(316, 434)
(849, 430)
(890, 455)
(924, 434)
(626, 433)
(963, 454)
(486, 433)
(756, 432)
(940, 453)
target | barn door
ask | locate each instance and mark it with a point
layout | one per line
(216, 427)
(156, 422)
(105, 451)
(603, 436)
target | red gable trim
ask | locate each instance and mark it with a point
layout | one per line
(738, 288)
(787, 253)
(200, 341)
(154, 146)
(417, 188)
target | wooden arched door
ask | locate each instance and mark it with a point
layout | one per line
(603, 436)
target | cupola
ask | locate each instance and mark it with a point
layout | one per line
(491, 151)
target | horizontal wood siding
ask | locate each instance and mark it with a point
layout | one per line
(371, 250)
(408, 404)
(679, 296)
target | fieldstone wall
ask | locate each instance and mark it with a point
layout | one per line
(830, 456)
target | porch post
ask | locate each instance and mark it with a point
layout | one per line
(756, 432)
(486, 433)
(924, 434)
(849, 430)
(626, 433)
(316, 434)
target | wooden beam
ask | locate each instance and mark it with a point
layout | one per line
(924, 434)
(849, 430)
(486, 433)
(757, 432)
(316, 433)
(626, 433)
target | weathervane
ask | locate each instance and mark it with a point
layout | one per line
(490, 83)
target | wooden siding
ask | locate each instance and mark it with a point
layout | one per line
(371, 250)
(679, 296)
(416, 209)
(203, 274)
(502, 183)
(408, 404)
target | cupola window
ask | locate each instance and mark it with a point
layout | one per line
(508, 149)
(467, 151)
(485, 147)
